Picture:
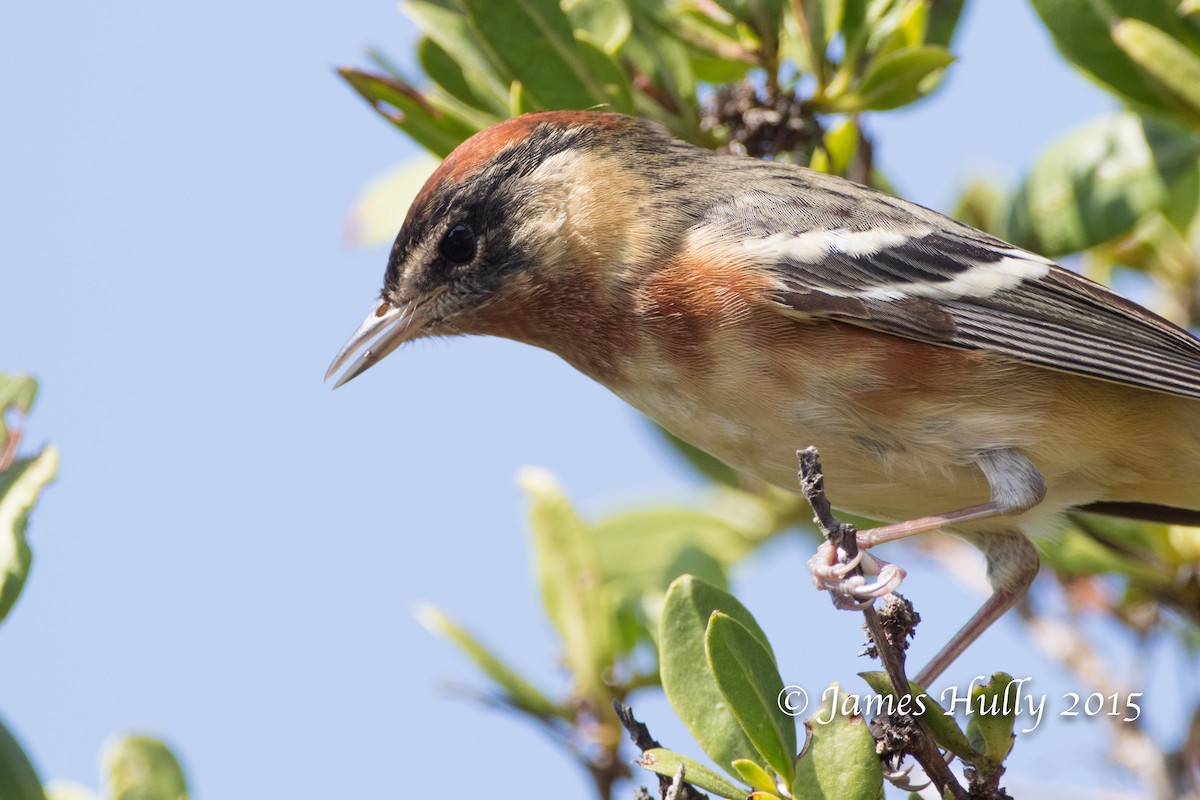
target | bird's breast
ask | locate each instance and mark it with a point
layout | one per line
(700, 349)
(711, 361)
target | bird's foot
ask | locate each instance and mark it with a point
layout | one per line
(853, 592)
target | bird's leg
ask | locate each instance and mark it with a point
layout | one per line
(1012, 565)
(1016, 486)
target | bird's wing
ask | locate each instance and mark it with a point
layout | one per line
(895, 267)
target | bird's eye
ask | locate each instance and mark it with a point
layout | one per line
(458, 245)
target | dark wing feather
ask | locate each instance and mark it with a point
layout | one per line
(840, 251)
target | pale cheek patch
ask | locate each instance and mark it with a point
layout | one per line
(590, 214)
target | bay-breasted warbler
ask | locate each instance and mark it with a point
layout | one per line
(949, 379)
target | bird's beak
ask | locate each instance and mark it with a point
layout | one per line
(398, 324)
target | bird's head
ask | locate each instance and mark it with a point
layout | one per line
(528, 224)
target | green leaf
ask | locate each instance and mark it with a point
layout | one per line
(572, 593)
(1081, 31)
(841, 144)
(666, 762)
(896, 79)
(1077, 551)
(662, 57)
(635, 568)
(993, 713)
(607, 23)
(534, 40)
(982, 204)
(68, 790)
(818, 20)
(913, 22)
(608, 74)
(746, 674)
(409, 110)
(446, 23)
(20, 486)
(831, 12)
(942, 725)
(687, 681)
(17, 392)
(853, 18)
(943, 21)
(640, 548)
(18, 777)
(764, 17)
(520, 692)
(448, 73)
(1162, 56)
(839, 760)
(1098, 181)
(141, 768)
(755, 776)
(379, 210)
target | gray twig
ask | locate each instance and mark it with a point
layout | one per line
(844, 537)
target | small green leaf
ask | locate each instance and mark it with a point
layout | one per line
(832, 13)
(446, 23)
(687, 681)
(851, 27)
(661, 57)
(20, 486)
(896, 79)
(982, 205)
(841, 143)
(141, 768)
(607, 23)
(666, 762)
(408, 109)
(67, 790)
(922, 706)
(755, 776)
(640, 548)
(17, 392)
(993, 713)
(746, 674)
(520, 692)
(18, 777)
(839, 760)
(572, 593)
(764, 17)
(379, 211)
(1162, 56)
(894, 25)
(1098, 181)
(1078, 551)
(914, 21)
(943, 21)
(1081, 31)
(449, 74)
(818, 20)
(534, 40)
(607, 73)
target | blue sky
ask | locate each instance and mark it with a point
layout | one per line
(230, 556)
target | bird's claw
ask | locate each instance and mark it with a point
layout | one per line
(901, 779)
(853, 592)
